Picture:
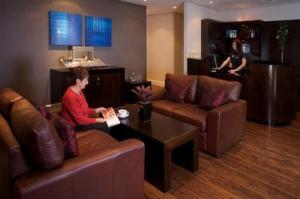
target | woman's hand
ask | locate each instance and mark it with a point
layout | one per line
(234, 72)
(100, 120)
(98, 110)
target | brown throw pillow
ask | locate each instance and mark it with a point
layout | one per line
(177, 92)
(37, 137)
(212, 99)
(190, 80)
(43, 110)
(66, 133)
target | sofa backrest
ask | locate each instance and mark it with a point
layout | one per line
(11, 154)
(7, 98)
(232, 89)
(184, 79)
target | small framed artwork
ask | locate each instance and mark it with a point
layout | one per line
(65, 29)
(98, 31)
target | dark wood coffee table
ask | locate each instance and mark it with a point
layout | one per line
(165, 139)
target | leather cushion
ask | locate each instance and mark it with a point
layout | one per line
(191, 114)
(7, 98)
(232, 89)
(17, 164)
(38, 138)
(190, 80)
(66, 133)
(177, 91)
(92, 140)
(166, 107)
(212, 99)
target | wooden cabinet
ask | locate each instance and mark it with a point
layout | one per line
(217, 38)
(105, 86)
(273, 93)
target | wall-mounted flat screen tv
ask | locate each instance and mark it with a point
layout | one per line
(65, 29)
(98, 31)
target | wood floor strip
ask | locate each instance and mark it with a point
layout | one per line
(265, 164)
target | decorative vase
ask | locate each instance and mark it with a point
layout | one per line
(145, 111)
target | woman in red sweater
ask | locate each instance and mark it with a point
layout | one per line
(75, 108)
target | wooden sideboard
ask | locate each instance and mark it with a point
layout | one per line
(268, 87)
(105, 88)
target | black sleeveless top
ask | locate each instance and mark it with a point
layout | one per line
(236, 59)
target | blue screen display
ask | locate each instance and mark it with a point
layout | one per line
(98, 31)
(65, 28)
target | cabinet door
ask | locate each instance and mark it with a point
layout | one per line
(104, 90)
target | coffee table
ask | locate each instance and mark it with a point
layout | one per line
(166, 139)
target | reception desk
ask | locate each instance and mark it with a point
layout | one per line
(268, 87)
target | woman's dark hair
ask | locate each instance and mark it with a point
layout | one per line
(79, 72)
(238, 46)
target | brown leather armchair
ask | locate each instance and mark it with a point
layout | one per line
(105, 168)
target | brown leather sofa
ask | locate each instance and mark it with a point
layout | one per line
(219, 128)
(104, 168)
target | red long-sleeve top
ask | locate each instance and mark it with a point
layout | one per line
(75, 109)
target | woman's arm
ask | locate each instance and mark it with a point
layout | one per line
(73, 107)
(225, 63)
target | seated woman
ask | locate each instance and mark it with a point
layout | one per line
(236, 60)
(75, 108)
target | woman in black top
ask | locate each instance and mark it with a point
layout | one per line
(236, 60)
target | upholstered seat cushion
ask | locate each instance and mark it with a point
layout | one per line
(92, 140)
(191, 113)
(165, 106)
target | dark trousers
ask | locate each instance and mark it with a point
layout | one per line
(95, 126)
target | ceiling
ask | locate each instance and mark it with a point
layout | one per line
(164, 6)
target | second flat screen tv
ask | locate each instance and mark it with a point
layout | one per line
(98, 31)
(65, 29)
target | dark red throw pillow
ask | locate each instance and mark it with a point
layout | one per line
(212, 99)
(43, 110)
(66, 133)
(177, 92)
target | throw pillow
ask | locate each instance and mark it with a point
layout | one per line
(66, 133)
(43, 110)
(177, 92)
(212, 99)
(38, 138)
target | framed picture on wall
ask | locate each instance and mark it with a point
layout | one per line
(98, 31)
(65, 29)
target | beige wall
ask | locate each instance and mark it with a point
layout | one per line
(164, 46)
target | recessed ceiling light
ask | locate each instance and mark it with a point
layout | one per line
(174, 7)
(211, 2)
(145, 0)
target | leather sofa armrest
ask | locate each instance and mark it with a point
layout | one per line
(158, 92)
(225, 126)
(54, 108)
(114, 172)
